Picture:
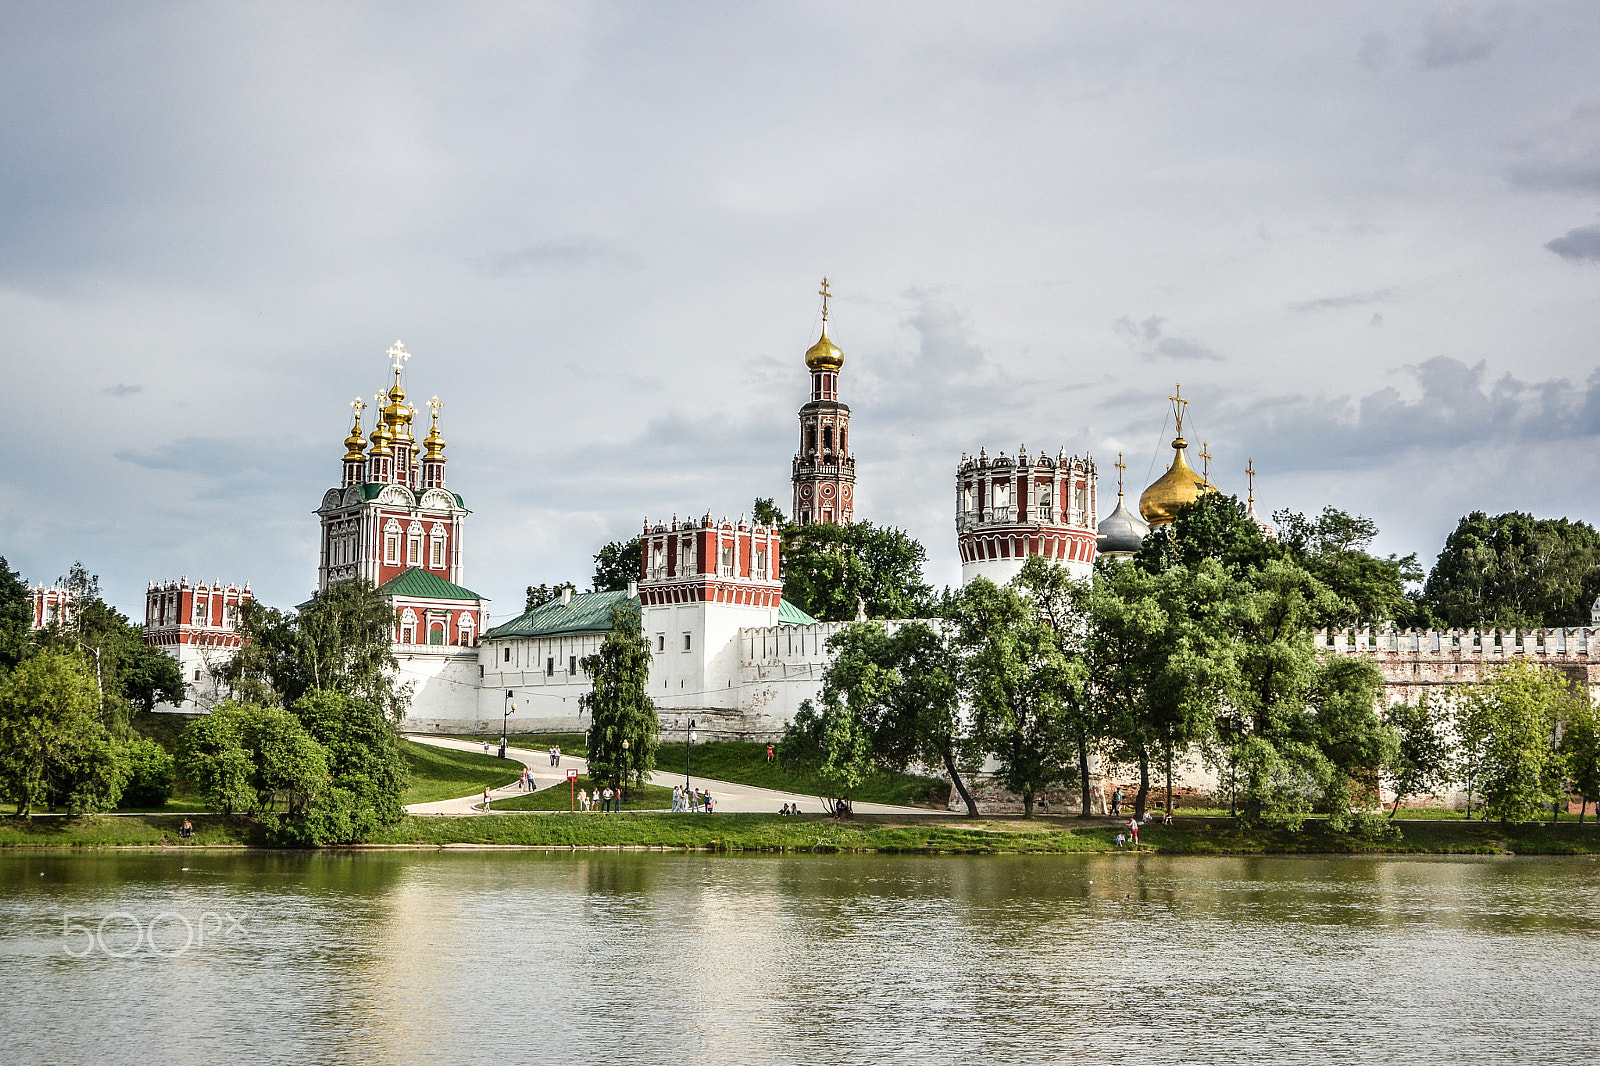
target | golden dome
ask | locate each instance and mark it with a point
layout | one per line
(355, 444)
(396, 413)
(824, 355)
(433, 446)
(1180, 485)
(381, 436)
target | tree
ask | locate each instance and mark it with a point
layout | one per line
(623, 730)
(1016, 676)
(1066, 604)
(1508, 725)
(1333, 549)
(249, 758)
(1425, 752)
(1345, 728)
(833, 742)
(902, 688)
(146, 769)
(341, 641)
(16, 615)
(53, 747)
(539, 595)
(1513, 570)
(830, 571)
(618, 563)
(1580, 748)
(765, 511)
(366, 757)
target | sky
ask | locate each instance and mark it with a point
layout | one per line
(1364, 236)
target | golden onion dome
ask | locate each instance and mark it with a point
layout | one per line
(824, 355)
(381, 438)
(433, 446)
(1180, 485)
(355, 444)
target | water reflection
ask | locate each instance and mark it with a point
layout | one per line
(469, 957)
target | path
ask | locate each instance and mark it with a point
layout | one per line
(729, 797)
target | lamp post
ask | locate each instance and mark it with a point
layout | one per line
(623, 774)
(505, 721)
(688, 739)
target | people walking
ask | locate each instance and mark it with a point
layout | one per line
(522, 782)
(558, 754)
(1116, 803)
(485, 799)
(770, 752)
(677, 799)
(1133, 830)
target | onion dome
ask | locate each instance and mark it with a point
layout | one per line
(397, 413)
(1179, 486)
(381, 435)
(824, 355)
(433, 445)
(355, 444)
(1122, 532)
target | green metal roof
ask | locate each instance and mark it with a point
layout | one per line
(370, 490)
(422, 585)
(790, 615)
(589, 612)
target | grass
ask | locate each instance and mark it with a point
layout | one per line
(650, 797)
(444, 773)
(930, 834)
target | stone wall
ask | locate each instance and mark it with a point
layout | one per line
(1414, 662)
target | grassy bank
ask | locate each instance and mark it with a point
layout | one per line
(559, 798)
(766, 832)
(444, 773)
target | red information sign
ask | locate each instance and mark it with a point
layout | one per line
(572, 775)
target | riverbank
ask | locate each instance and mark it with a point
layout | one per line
(886, 834)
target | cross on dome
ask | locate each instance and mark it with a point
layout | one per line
(1178, 404)
(825, 294)
(358, 405)
(398, 354)
(437, 405)
(1250, 472)
(1205, 460)
(1121, 467)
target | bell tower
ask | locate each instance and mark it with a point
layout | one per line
(824, 470)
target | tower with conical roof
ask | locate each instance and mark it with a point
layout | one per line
(1180, 485)
(824, 474)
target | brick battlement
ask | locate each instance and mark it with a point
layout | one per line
(1413, 660)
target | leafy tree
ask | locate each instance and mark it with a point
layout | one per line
(16, 615)
(623, 730)
(338, 642)
(1214, 527)
(902, 688)
(1425, 753)
(1016, 676)
(53, 747)
(539, 595)
(1513, 570)
(766, 512)
(830, 571)
(1509, 721)
(1345, 728)
(1580, 748)
(212, 760)
(146, 771)
(250, 758)
(1333, 549)
(833, 742)
(618, 563)
(366, 759)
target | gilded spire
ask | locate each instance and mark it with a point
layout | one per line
(381, 436)
(824, 355)
(397, 414)
(1121, 469)
(433, 446)
(1180, 485)
(355, 444)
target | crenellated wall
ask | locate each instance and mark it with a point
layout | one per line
(1414, 661)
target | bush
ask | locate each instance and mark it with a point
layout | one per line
(146, 773)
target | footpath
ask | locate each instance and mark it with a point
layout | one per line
(728, 797)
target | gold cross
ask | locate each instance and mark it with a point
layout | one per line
(1121, 466)
(1205, 461)
(358, 405)
(1178, 404)
(397, 352)
(436, 404)
(1250, 471)
(824, 293)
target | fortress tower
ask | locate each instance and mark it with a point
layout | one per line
(824, 470)
(1010, 509)
(197, 623)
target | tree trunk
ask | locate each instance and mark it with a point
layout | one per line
(1169, 777)
(1083, 774)
(961, 789)
(1027, 804)
(1582, 807)
(1396, 808)
(1143, 797)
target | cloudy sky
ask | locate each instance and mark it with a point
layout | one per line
(1366, 238)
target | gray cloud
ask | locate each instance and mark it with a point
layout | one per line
(1579, 244)
(1151, 337)
(1564, 157)
(1374, 52)
(1451, 39)
(573, 252)
(119, 390)
(1338, 303)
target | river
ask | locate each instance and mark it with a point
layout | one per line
(599, 958)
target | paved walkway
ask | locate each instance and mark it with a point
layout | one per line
(728, 797)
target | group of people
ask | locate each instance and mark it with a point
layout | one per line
(555, 755)
(610, 799)
(689, 799)
(525, 782)
(790, 808)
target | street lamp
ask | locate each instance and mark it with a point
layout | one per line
(623, 774)
(505, 721)
(688, 731)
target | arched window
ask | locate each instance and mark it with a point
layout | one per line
(436, 547)
(827, 438)
(436, 631)
(414, 545)
(391, 543)
(464, 631)
(408, 627)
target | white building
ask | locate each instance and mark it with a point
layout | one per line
(1010, 509)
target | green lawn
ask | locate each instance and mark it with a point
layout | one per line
(559, 798)
(570, 743)
(443, 773)
(746, 764)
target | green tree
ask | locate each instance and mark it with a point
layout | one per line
(539, 595)
(366, 758)
(1343, 721)
(1333, 549)
(767, 514)
(624, 730)
(1510, 721)
(250, 758)
(16, 615)
(146, 771)
(1580, 748)
(1513, 570)
(831, 571)
(833, 742)
(618, 563)
(53, 747)
(1425, 753)
(902, 688)
(341, 641)
(1016, 677)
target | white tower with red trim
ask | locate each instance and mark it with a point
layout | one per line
(197, 623)
(1008, 509)
(824, 474)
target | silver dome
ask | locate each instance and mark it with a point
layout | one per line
(1122, 532)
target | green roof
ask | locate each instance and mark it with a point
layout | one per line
(420, 584)
(589, 612)
(370, 490)
(790, 615)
